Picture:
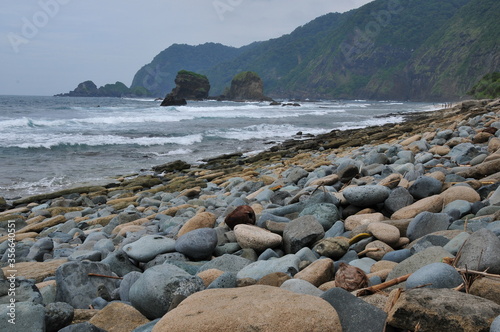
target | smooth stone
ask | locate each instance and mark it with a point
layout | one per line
(425, 186)
(398, 199)
(118, 316)
(463, 153)
(336, 230)
(265, 217)
(220, 310)
(148, 327)
(259, 239)
(288, 264)
(495, 326)
(171, 280)
(76, 287)
(326, 213)
(58, 315)
(457, 311)
(382, 249)
(306, 254)
(454, 245)
(487, 288)
(226, 263)
(301, 232)
(428, 204)
(332, 247)
(435, 275)
(397, 255)
(461, 205)
(427, 222)
(40, 248)
(300, 286)
(275, 279)
(208, 276)
(465, 193)
(29, 317)
(90, 255)
(384, 232)
(200, 220)
(417, 261)
(148, 247)
(268, 254)
(357, 220)
(366, 196)
(365, 264)
(128, 280)
(481, 252)
(318, 272)
(354, 313)
(82, 327)
(24, 290)
(198, 244)
(225, 280)
(120, 263)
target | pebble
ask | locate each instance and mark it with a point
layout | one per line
(198, 244)
(430, 184)
(148, 247)
(256, 238)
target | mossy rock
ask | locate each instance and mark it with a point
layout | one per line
(145, 181)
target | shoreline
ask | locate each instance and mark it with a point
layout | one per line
(402, 207)
(292, 144)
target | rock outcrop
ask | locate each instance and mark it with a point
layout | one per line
(247, 86)
(118, 89)
(188, 86)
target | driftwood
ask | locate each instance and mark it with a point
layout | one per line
(384, 285)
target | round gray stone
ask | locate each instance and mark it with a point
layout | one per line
(427, 222)
(398, 199)
(425, 186)
(326, 214)
(481, 252)
(435, 275)
(288, 264)
(148, 247)
(300, 286)
(225, 280)
(154, 291)
(301, 232)
(366, 196)
(198, 244)
(58, 315)
(128, 280)
(76, 287)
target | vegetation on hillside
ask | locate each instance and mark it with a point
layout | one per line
(487, 88)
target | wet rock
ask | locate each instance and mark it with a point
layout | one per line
(168, 278)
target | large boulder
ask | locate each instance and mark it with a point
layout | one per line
(247, 86)
(188, 86)
(252, 308)
(153, 293)
(442, 310)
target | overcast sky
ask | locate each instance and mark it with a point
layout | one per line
(49, 46)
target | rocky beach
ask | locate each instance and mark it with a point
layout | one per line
(386, 228)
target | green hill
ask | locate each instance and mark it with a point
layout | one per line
(399, 50)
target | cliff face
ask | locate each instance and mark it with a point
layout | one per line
(247, 86)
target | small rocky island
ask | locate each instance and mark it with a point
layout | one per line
(246, 86)
(188, 86)
(118, 89)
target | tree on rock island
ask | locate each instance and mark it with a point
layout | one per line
(188, 86)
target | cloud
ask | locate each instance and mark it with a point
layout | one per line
(64, 42)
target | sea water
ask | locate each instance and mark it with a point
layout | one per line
(49, 143)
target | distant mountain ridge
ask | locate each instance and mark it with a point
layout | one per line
(387, 49)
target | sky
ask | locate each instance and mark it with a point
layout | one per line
(50, 46)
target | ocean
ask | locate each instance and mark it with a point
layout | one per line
(50, 143)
